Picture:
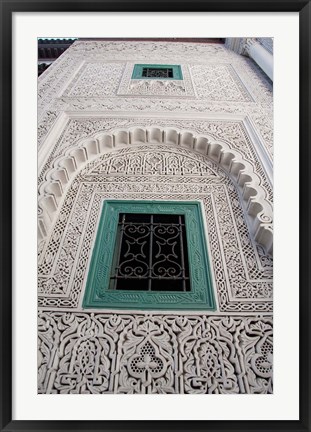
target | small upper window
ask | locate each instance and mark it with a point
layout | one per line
(158, 71)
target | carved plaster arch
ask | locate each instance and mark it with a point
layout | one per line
(257, 207)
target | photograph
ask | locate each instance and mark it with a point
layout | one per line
(155, 215)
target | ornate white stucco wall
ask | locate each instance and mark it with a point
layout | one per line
(209, 138)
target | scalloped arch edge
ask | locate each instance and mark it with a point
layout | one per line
(255, 204)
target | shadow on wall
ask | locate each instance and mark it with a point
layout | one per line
(49, 50)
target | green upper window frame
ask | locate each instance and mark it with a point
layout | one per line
(169, 72)
(98, 292)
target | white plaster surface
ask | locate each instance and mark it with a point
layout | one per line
(137, 320)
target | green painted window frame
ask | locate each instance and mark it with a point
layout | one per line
(138, 71)
(97, 294)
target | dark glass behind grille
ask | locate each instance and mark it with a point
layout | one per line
(157, 73)
(150, 253)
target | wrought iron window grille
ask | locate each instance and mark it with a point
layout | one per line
(151, 253)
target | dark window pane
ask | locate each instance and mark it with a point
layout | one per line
(157, 72)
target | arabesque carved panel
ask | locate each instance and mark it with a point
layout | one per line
(95, 353)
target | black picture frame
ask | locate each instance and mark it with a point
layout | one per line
(7, 10)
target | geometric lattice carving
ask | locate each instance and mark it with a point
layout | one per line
(219, 82)
(96, 80)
